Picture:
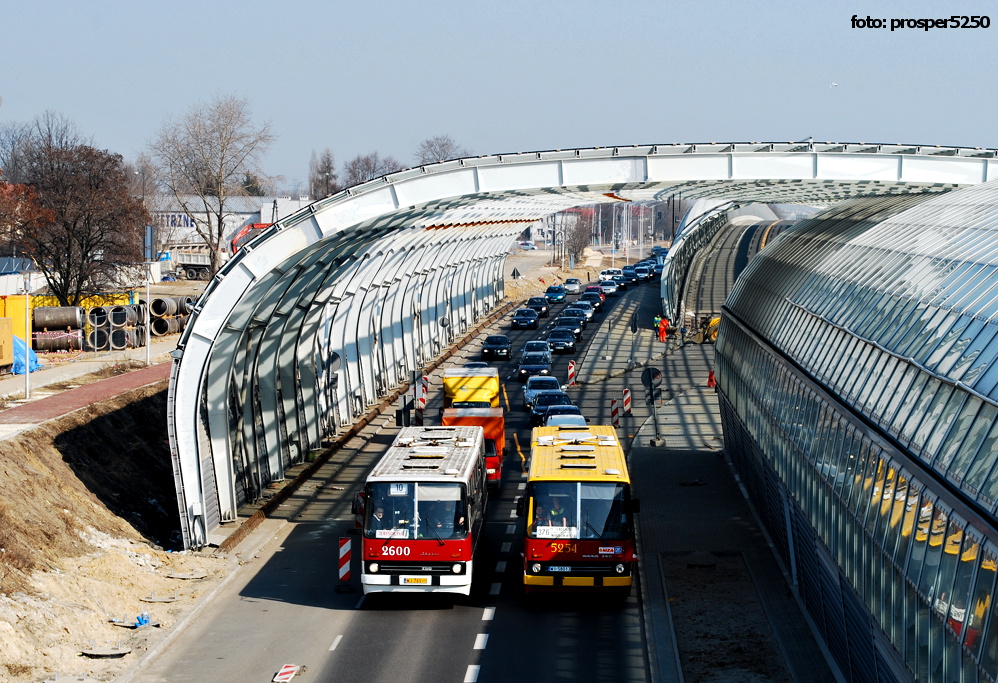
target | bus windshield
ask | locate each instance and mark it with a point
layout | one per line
(578, 510)
(415, 510)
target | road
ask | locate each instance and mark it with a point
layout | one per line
(289, 611)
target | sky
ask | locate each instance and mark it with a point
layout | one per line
(359, 77)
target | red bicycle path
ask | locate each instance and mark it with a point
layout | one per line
(66, 402)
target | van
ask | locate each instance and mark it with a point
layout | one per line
(608, 273)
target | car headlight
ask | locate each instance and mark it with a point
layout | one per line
(544, 371)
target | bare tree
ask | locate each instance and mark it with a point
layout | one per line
(580, 234)
(206, 158)
(95, 224)
(322, 174)
(366, 167)
(439, 148)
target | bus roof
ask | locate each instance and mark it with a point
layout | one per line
(431, 454)
(566, 453)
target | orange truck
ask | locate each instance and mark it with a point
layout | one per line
(493, 421)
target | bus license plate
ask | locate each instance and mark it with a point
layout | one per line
(559, 569)
(410, 580)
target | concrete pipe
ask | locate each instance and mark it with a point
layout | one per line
(97, 316)
(98, 340)
(119, 341)
(118, 315)
(160, 308)
(58, 341)
(164, 326)
(58, 318)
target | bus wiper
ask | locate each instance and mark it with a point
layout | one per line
(432, 528)
(593, 529)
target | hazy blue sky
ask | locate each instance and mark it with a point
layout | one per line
(500, 77)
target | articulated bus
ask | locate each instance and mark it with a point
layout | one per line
(579, 512)
(424, 509)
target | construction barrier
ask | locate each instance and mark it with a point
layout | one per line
(614, 413)
(344, 583)
(627, 401)
(571, 373)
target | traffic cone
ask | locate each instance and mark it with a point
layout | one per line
(711, 382)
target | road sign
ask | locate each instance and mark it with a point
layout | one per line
(651, 377)
(516, 274)
(286, 673)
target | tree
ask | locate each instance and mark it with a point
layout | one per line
(95, 224)
(20, 214)
(205, 158)
(322, 175)
(580, 233)
(366, 167)
(439, 148)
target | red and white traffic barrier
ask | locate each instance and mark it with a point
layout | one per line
(424, 389)
(627, 401)
(571, 373)
(614, 413)
(344, 559)
(286, 673)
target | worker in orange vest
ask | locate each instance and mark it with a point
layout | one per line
(663, 329)
(711, 382)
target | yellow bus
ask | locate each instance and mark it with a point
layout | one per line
(579, 512)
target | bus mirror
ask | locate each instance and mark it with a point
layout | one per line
(520, 502)
(634, 506)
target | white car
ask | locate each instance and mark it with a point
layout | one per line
(573, 285)
(609, 287)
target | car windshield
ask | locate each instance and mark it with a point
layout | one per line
(535, 359)
(537, 300)
(535, 347)
(543, 384)
(553, 400)
(561, 334)
(524, 314)
(496, 340)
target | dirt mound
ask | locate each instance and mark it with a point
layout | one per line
(86, 502)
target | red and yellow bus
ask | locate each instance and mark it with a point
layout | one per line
(493, 421)
(424, 509)
(579, 512)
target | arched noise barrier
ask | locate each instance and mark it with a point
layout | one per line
(514, 188)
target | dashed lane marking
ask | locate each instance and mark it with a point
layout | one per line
(481, 640)
(488, 613)
(494, 590)
(472, 675)
(500, 566)
(336, 641)
(510, 529)
(506, 547)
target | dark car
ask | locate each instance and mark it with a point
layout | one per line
(561, 410)
(496, 346)
(621, 281)
(595, 289)
(524, 319)
(533, 364)
(575, 314)
(562, 339)
(583, 307)
(570, 325)
(543, 401)
(631, 276)
(539, 304)
(536, 346)
(596, 300)
(555, 294)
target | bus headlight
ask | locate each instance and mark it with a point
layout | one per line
(456, 568)
(535, 567)
(373, 568)
(620, 568)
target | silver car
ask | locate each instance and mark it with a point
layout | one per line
(537, 384)
(609, 287)
(583, 306)
(573, 285)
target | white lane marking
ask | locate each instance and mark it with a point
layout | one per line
(496, 587)
(510, 529)
(512, 514)
(481, 640)
(336, 641)
(472, 675)
(522, 485)
(488, 613)
(500, 567)
(505, 547)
